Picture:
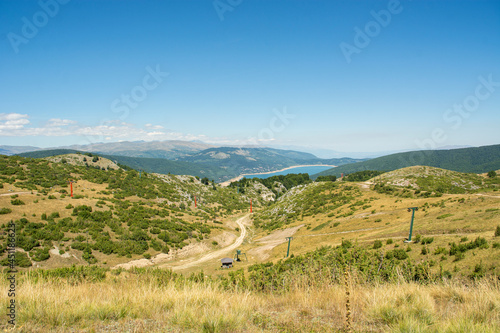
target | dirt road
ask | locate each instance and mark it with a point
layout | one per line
(218, 254)
(14, 193)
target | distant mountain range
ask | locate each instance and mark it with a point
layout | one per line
(475, 160)
(223, 163)
(220, 163)
(170, 149)
(13, 150)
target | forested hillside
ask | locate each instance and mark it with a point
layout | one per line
(477, 160)
(158, 165)
(217, 164)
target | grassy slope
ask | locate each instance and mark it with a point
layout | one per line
(331, 213)
(145, 302)
(166, 200)
(478, 160)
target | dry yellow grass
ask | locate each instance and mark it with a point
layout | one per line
(139, 304)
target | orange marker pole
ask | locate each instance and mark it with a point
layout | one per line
(195, 201)
(71, 187)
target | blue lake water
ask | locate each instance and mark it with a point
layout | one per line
(311, 170)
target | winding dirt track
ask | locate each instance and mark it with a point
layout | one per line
(219, 253)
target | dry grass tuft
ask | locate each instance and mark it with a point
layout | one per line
(139, 304)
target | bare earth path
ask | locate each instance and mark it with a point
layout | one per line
(272, 240)
(219, 253)
(13, 193)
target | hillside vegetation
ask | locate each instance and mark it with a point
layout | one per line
(477, 160)
(156, 165)
(219, 164)
(113, 214)
(349, 266)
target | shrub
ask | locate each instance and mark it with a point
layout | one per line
(497, 231)
(399, 254)
(427, 240)
(377, 244)
(40, 254)
(17, 202)
(5, 211)
(479, 271)
(389, 241)
(21, 260)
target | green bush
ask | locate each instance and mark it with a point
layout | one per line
(21, 260)
(40, 254)
(5, 211)
(427, 240)
(377, 244)
(17, 202)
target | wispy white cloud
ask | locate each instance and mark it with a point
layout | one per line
(12, 121)
(153, 126)
(19, 125)
(60, 122)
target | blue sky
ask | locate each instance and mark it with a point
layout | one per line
(351, 76)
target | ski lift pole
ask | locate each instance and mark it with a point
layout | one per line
(288, 250)
(412, 210)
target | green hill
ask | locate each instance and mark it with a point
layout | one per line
(158, 165)
(477, 160)
(119, 213)
(237, 161)
(219, 164)
(430, 179)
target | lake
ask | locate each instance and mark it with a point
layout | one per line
(311, 170)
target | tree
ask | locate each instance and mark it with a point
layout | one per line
(328, 178)
(492, 174)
